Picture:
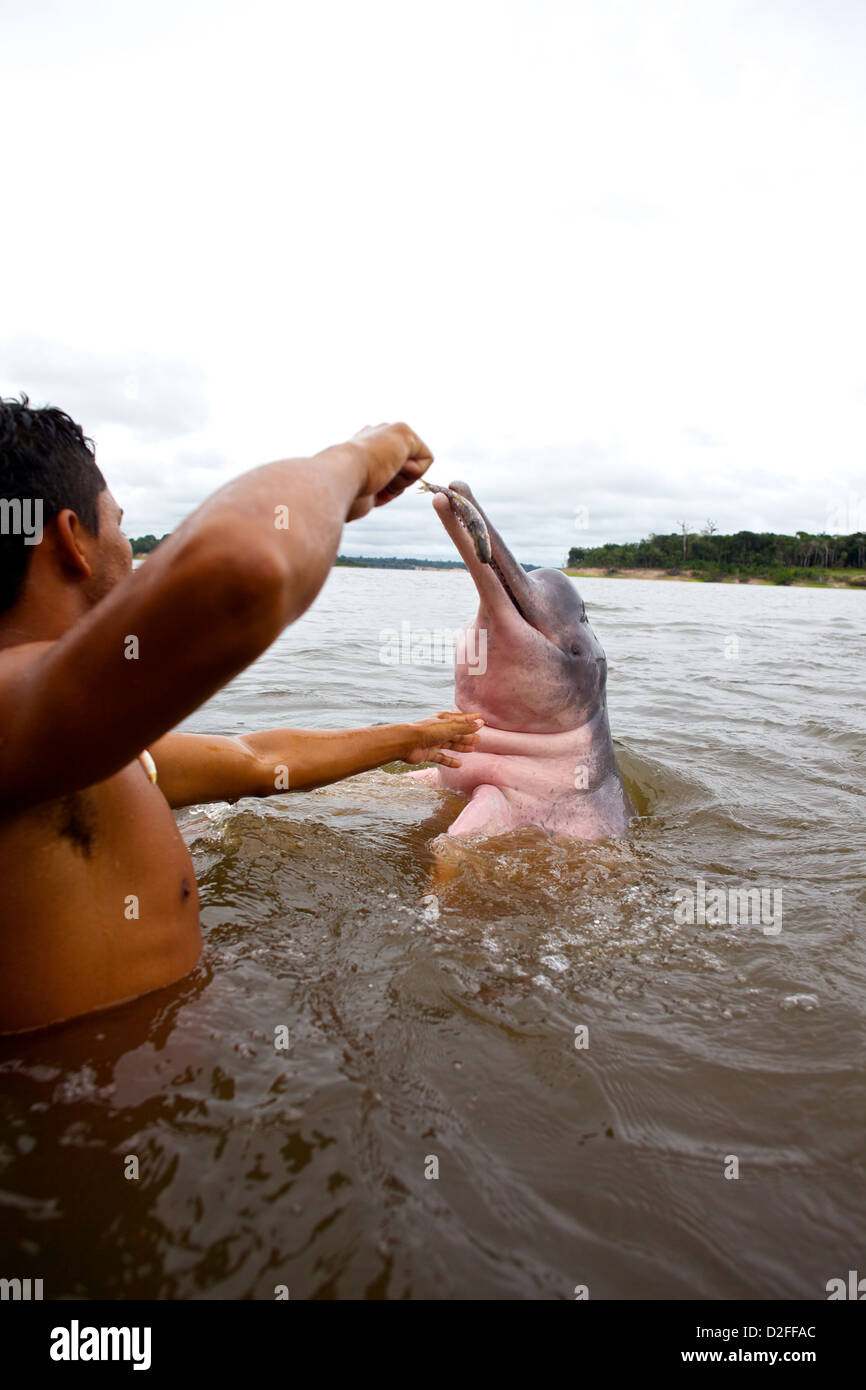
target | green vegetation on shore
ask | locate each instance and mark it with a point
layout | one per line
(396, 562)
(747, 555)
(143, 545)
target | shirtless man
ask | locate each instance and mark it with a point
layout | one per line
(98, 663)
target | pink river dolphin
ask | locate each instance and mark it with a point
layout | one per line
(532, 667)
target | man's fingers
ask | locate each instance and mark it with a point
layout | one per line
(437, 755)
(409, 474)
(448, 729)
(462, 728)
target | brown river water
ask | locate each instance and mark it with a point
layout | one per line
(616, 1097)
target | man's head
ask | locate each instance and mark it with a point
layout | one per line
(52, 492)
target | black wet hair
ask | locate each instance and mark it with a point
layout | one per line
(45, 457)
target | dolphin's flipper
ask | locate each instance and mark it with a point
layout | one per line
(428, 775)
(488, 813)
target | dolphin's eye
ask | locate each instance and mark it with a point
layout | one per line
(575, 648)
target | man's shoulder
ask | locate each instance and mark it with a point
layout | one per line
(14, 660)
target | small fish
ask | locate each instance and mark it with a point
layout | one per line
(470, 519)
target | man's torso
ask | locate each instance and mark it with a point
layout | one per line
(98, 899)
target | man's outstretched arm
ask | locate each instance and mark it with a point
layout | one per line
(194, 768)
(214, 596)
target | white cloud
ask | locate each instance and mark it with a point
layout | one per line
(155, 398)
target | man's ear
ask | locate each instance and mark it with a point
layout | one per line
(71, 543)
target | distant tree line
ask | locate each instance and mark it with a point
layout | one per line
(396, 562)
(710, 555)
(143, 545)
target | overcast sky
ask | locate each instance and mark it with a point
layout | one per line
(601, 254)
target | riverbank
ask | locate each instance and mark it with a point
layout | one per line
(830, 579)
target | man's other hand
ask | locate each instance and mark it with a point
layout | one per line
(449, 730)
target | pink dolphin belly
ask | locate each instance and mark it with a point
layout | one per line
(556, 781)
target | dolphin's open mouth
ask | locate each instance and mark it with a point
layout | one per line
(507, 587)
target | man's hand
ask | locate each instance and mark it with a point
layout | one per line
(393, 458)
(430, 737)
